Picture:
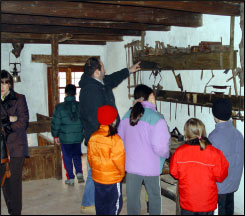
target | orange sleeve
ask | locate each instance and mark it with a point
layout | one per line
(118, 154)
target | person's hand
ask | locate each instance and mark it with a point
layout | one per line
(135, 68)
(13, 118)
(57, 140)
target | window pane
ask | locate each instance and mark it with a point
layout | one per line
(77, 94)
(62, 95)
(62, 79)
(75, 78)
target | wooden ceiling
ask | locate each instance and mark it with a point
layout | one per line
(98, 22)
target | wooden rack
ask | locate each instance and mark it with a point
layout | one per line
(190, 61)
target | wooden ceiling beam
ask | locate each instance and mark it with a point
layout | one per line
(75, 37)
(107, 12)
(67, 29)
(43, 20)
(62, 59)
(31, 41)
(226, 8)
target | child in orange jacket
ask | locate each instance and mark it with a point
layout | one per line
(198, 166)
(106, 157)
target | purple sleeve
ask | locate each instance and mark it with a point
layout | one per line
(160, 139)
(120, 130)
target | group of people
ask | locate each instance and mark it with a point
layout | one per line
(208, 168)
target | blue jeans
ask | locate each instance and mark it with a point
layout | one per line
(89, 189)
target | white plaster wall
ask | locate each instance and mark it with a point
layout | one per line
(214, 27)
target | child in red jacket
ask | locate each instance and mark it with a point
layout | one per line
(198, 166)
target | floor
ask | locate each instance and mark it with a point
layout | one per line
(53, 197)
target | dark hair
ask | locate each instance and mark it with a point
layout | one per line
(195, 133)
(112, 130)
(70, 90)
(5, 75)
(138, 110)
(91, 65)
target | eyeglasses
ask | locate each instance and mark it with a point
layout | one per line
(5, 81)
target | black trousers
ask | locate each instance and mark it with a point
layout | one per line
(108, 199)
(12, 189)
(185, 212)
(226, 204)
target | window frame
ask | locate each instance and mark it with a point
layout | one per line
(69, 70)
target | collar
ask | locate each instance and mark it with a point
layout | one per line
(104, 128)
(224, 124)
(101, 81)
(4, 96)
(70, 98)
(147, 104)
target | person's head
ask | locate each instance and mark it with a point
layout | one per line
(194, 130)
(107, 115)
(141, 93)
(7, 82)
(222, 109)
(70, 90)
(94, 68)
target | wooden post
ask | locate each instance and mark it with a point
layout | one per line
(55, 69)
(232, 26)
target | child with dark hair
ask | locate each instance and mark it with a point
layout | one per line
(106, 157)
(198, 166)
(67, 130)
(146, 138)
(229, 140)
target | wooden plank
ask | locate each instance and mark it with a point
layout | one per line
(33, 41)
(67, 21)
(9, 35)
(58, 162)
(40, 164)
(104, 12)
(43, 140)
(38, 127)
(231, 8)
(66, 29)
(41, 117)
(62, 59)
(205, 100)
(192, 61)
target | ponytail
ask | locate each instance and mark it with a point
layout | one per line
(202, 141)
(136, 113)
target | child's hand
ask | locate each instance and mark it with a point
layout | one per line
(57, 140)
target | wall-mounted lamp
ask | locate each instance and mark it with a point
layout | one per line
(14, 66)
(15, 71)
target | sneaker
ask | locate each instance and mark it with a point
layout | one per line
(69, 182)
(88, 210)
(80, 178)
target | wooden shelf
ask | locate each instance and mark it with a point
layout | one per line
(190, 61)
(205, 100)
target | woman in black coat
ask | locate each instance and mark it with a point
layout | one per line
(15, 107)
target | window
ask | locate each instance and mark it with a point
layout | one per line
(66, 75)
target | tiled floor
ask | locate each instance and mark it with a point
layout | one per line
(53, 197)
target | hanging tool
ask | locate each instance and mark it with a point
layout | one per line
(178, 80)
(205, 88)
(176, 110)
(201, 74)
(170, 110)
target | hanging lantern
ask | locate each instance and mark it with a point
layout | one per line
(14, 64)
(15, 71)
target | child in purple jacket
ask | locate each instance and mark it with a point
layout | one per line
(146, 138)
